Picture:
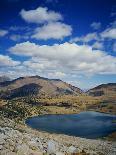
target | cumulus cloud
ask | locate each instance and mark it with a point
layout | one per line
(39, 64)
(87, 38)
(67, 57)
(25, 48)
(98, 45)
(56, 74)
(96, 25)
(109, 33)
(40, 15)
(7, 61)
(3, 32)
(54, 30)
(49, 25)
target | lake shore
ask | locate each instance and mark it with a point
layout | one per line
(19, 138)
(86, 124)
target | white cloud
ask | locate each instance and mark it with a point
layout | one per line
(55, 30)
(109, 33)
(17, 37)
(19, 28)
(49, 24)
(98, 45)
(40, 15)
(67, 58)
(26, 48)
(87, 38)
(3, 32)
(114, 47)
(96, 25)
(39, 64)
(7, 61)
(56, 74)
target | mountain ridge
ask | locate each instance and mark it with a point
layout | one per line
(46, 87)
(103, 89)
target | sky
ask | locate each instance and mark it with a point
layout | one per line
(71, 40)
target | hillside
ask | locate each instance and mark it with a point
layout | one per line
(107, 95)
(103, 89)
(28, 96)
(36, 86)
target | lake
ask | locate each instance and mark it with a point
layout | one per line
(85, 124)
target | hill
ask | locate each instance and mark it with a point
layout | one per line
(36, 86)
(103, 90)
(107, 96)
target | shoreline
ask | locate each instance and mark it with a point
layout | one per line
(40, 140)
(64, 142)
(100, 138)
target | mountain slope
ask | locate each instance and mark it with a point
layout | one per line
(37, 86)
(103, 90)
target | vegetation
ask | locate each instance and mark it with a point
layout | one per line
(21, 108)
(18, 110)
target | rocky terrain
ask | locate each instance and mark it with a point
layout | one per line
(17, 139)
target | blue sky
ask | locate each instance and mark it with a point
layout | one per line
(74, 40)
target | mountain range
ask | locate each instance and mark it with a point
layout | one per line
(36, 86)
(44, 87)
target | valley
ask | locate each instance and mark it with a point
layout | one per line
(27, 97)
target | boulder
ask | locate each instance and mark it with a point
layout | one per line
(22, 149)
(52, 147)
(60, 153)
(73, 149)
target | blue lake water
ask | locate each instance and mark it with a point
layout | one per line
(85, 124)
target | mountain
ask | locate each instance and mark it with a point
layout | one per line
(4, 78)
(36, 86)
(103, 90)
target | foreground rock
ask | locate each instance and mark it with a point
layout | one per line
(21, 140)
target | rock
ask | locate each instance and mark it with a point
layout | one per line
(1, 146)
(7, 152)
(31, 152)
(11, 153)
(14, 142)
(33, 145)
(72, 149)
(19, 141)
(2, 138)
(60, 153)
(11, 148)
(22, 149)
(2, 141)
(52, 147)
